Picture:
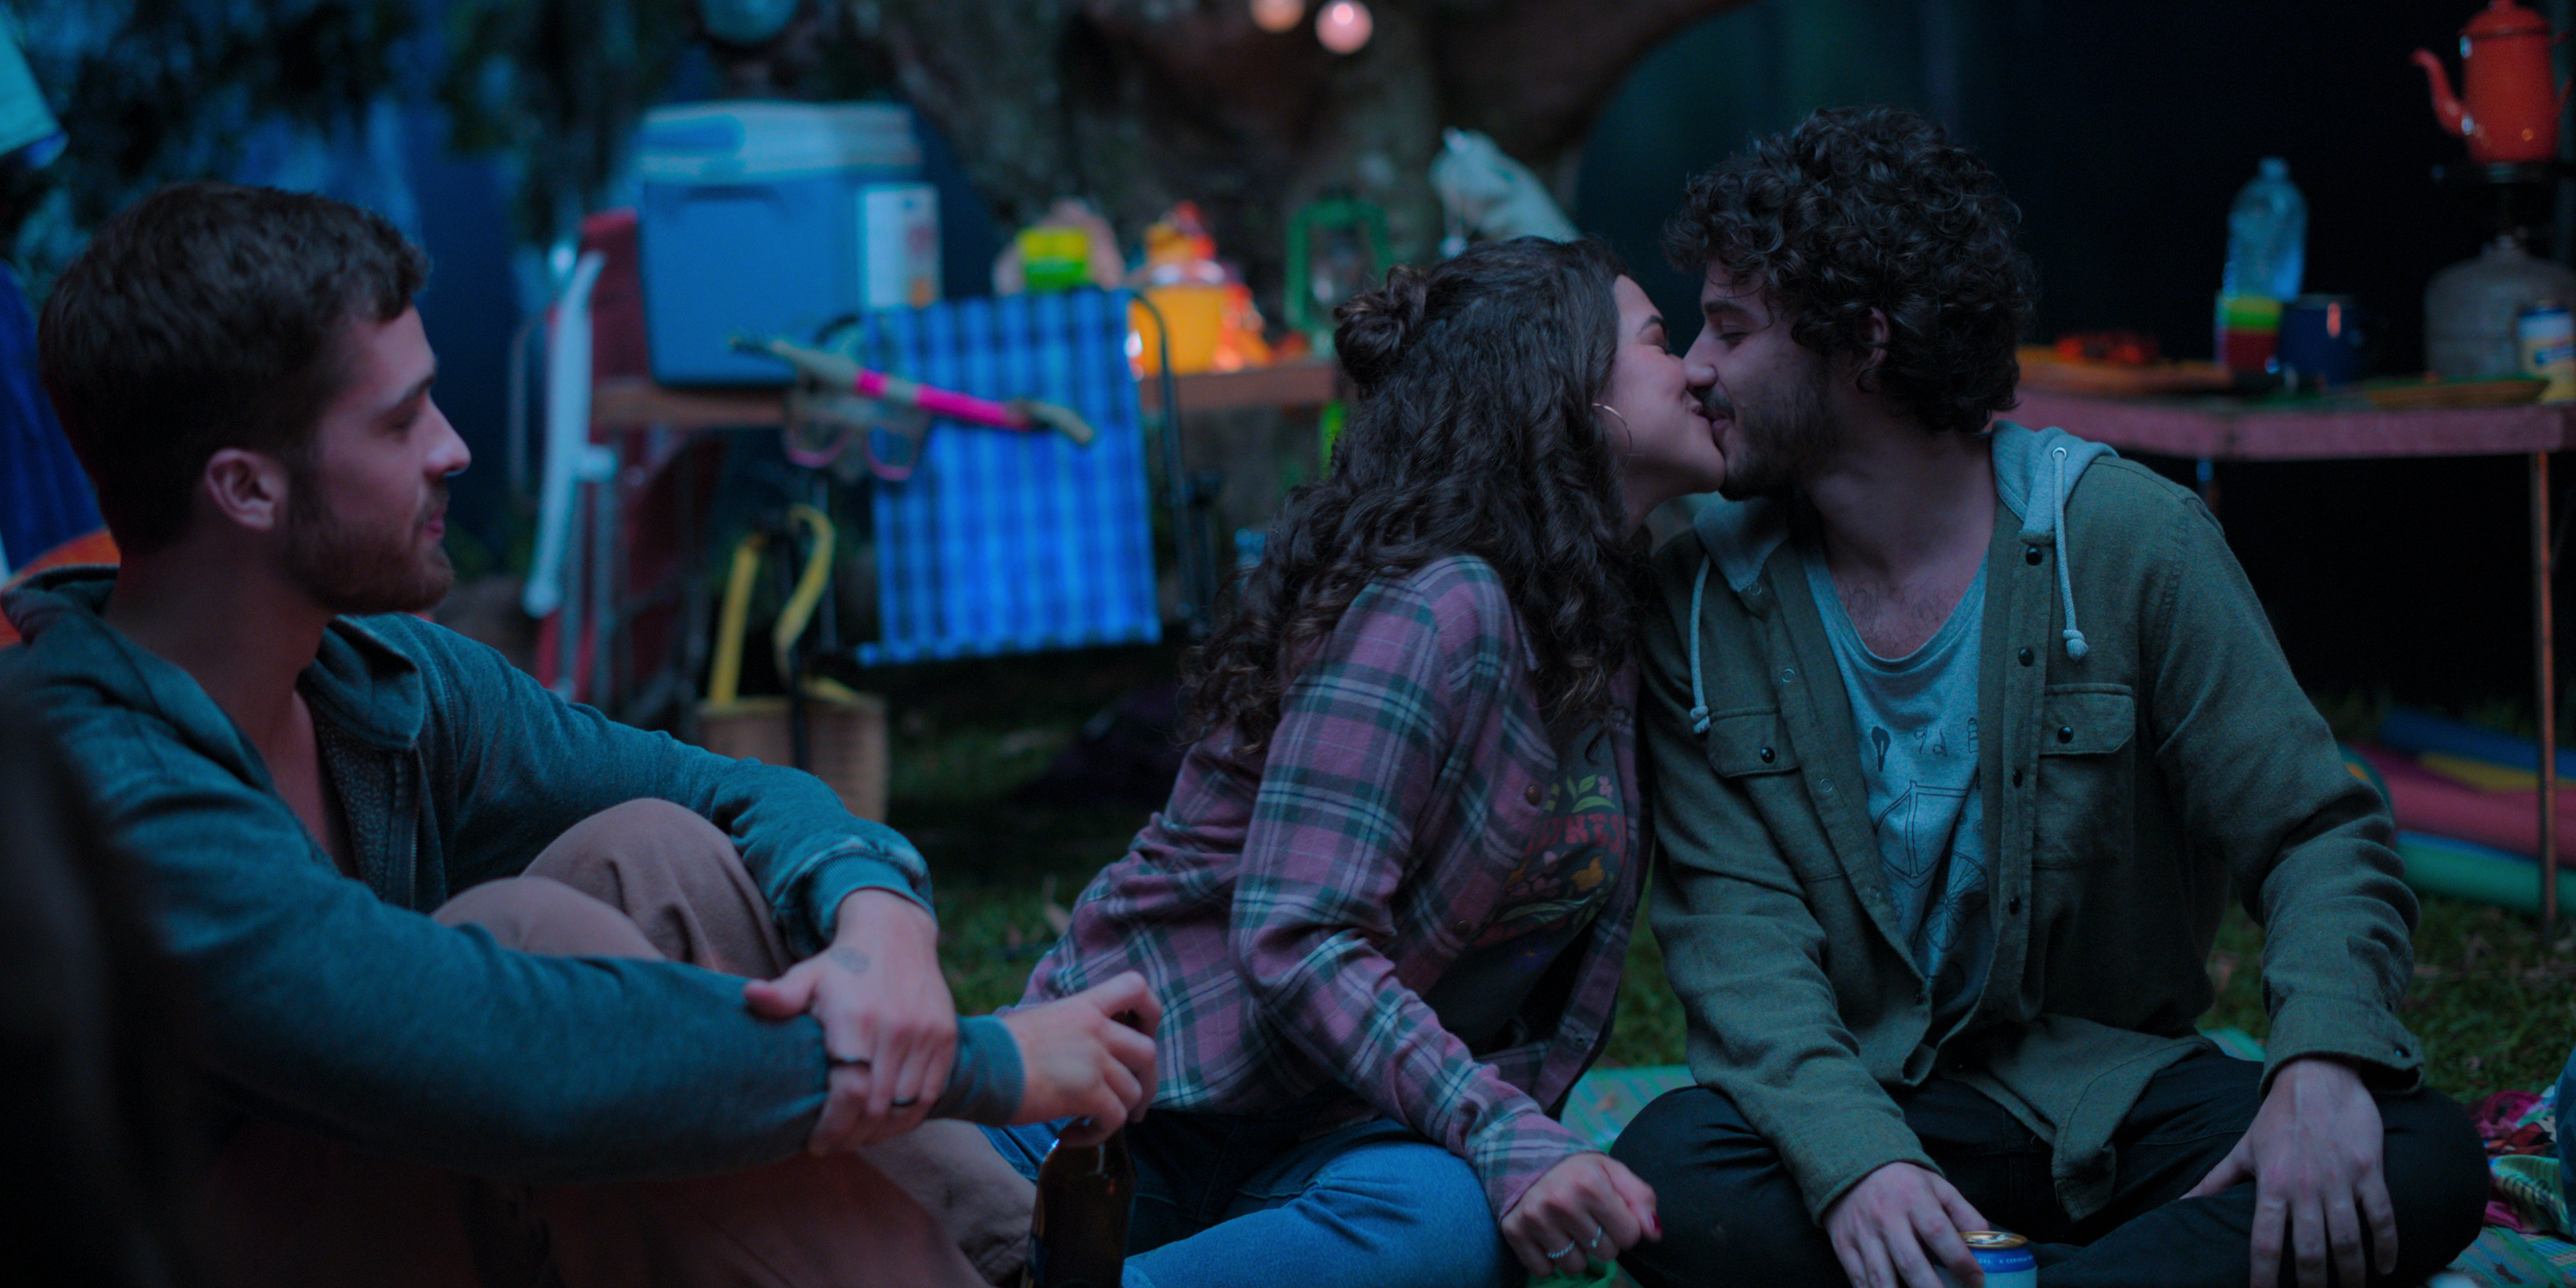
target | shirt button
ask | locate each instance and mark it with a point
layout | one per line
(1534, 795)
(1767, 755)
(1788, 675)
(2026, 658)
(1459, 927)
(2030, 555)
(2016, 775)
(2066, 733)
(2013, 905)
(1825, 785)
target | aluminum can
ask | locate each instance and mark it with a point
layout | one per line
(2004, 1257)
(2545, 335)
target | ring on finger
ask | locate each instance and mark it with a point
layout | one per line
(1595, 1241)
(1570, 1245)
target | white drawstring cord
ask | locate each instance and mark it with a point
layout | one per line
(1699, 689)
(2076, 648)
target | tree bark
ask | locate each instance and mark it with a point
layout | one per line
(1137, 104)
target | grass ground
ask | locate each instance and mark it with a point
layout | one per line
(2493, 1002)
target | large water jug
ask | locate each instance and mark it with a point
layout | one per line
(2267, 235)
(2470, 307)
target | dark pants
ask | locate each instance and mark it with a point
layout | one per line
(1732, 1215)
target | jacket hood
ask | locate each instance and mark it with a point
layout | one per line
(361, 683)
(2031, 480)
(2036, 471)
(2035, 474)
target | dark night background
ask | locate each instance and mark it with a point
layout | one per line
(2124, 130)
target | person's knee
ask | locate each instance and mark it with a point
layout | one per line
(2436, 1171)
(540, 915)
(1731, 1213)
(1661, 1140)
(1422, 1213)
(678, 877)
(638, 832)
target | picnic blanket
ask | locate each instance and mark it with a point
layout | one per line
(2525, 1243)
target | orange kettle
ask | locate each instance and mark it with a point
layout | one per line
(2511, 112)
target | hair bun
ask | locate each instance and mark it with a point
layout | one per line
(1378, 327)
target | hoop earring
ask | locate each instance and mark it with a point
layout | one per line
(1630, 449)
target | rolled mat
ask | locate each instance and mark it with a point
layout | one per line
(2456, 869)
(2416, 732)
(2424, 801)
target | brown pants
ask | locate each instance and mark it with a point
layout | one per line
(646, 879)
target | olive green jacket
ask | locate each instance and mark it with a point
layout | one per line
(2136, 774)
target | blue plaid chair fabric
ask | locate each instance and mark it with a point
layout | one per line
(1007, 542)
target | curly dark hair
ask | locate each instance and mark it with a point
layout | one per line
(1875, 208)
(1473, 433)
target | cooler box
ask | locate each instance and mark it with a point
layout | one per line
(776, 218)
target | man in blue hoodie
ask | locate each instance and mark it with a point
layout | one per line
(1963, 735)
(426, 904)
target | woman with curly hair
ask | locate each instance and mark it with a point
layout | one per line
(1387, 905)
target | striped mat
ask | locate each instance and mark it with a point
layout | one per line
(2507, 1259)
(1005, 542)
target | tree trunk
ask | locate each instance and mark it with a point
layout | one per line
(1137, 104)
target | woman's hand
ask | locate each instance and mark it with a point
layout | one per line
(1587, 1209)
(1089, 1057)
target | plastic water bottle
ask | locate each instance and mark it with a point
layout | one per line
(2267, 235)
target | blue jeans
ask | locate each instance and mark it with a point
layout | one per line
(1239, 1202)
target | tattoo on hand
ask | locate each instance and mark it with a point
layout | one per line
(850, 959)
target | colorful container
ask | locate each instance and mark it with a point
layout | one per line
(2004, 1257)
(2545, 338)
(2249, 333)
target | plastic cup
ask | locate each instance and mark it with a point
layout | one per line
(2249, 333)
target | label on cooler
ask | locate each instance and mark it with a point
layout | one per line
(899, 245)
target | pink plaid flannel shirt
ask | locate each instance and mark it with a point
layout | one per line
(1290, 908)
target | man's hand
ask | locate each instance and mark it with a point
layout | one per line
(1883, 1228)
(2313, 1154)
(887, 1018)
(1089, 1057)
(1586, 1209)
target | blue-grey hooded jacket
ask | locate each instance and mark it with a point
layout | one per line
(338, 1005)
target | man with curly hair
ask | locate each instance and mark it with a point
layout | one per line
(1964, 733)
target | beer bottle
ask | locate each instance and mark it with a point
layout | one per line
(1078, 1234)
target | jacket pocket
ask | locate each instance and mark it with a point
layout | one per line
(1742, 743)
(2087, 736)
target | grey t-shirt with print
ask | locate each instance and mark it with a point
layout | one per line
(1917, 721)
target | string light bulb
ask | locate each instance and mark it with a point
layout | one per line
(1277, 15)
(1343, 26)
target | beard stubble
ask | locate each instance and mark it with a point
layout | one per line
(350, 569)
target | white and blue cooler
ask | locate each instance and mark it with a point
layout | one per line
(775, 219)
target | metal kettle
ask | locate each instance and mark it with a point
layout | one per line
(2510, 112)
